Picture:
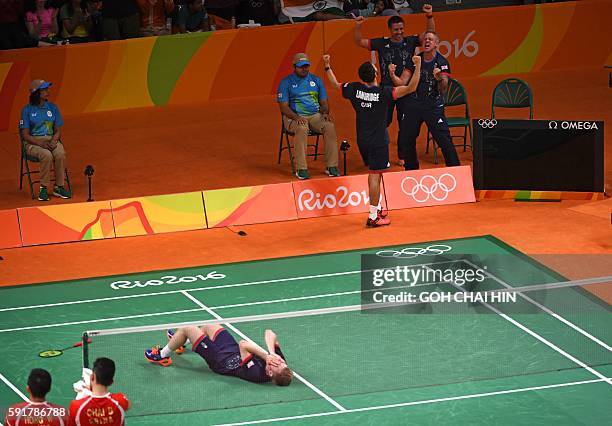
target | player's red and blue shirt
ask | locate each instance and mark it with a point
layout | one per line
(41, 120)
(302, 94)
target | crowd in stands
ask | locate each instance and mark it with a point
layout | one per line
(30, 23)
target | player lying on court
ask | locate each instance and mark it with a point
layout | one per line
(224, 355)
(371, 102)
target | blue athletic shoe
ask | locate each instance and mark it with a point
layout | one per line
(170, 334)
(153, 355)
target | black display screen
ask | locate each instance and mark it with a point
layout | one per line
(538, 155)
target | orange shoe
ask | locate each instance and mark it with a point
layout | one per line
(153, 355)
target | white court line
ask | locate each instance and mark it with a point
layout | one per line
(245, 337)
(160, 293)
(413, 403)
(14, 388)
(538, 337)
(61, 324)
(545, 309)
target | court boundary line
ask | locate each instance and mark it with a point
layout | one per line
(538, 337)
(245, 337)
(13, 387)
(544, 308)
(159, 293)
(414, 403)
(236, 305)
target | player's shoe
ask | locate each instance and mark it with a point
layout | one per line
(170, 334)
(383, 213)
(379, 221)
(153, 355)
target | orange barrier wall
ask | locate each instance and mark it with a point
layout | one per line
(194, 68)
(10, 235)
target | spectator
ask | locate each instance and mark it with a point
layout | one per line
(153, 16)
(12, 34)
(303, 103)
(40, 126)
(37, 411)
(403, 7)
(376, 8)
(262, 12)
(95, 405)
(120, 19)
(224, 9)
(41, 22)
(189, 17)
(77, 22)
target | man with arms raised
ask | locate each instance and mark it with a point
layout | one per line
(426, 104)
(395, 49)
(371, 102)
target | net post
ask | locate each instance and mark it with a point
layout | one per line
(85, 350)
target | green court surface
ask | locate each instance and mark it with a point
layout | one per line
(544, 360)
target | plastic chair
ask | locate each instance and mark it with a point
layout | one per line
(26, 171)
(512, 93)
(284, 134)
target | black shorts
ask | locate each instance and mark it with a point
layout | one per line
(222, 353)
(375, 157)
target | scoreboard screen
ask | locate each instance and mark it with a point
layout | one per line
(539, 155)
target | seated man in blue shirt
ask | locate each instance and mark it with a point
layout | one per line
(40, 127)
(225, 356)
(303, 102)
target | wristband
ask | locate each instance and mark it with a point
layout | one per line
(430, 16)
(327, 68)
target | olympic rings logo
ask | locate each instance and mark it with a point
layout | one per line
(486, 123)
(319, 5)
(429, 187)
(412, 252)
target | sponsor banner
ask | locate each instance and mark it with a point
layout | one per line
(9, 224)
(331, 196)
(65, 223)
(431, 187)
(249, 204)
(303, 8)
(158, 214)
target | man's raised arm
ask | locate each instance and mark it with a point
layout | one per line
(431, 24)
(330, 74)
(414, 81)
(359, 40)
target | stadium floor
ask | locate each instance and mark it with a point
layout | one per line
(374, 369)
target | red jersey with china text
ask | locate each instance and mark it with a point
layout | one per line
(94, 410)
(37, 413)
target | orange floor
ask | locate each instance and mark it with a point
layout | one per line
(233, 143)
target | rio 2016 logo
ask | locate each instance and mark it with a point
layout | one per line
(168, 279)
(309, 200)
(468, 48)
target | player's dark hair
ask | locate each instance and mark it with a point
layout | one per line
(367, 73)
(35, 97)
(283, 378)
(39, 382)
(104, 369)
(395, 19)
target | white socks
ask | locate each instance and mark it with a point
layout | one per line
(373, 212)
(165, 352)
